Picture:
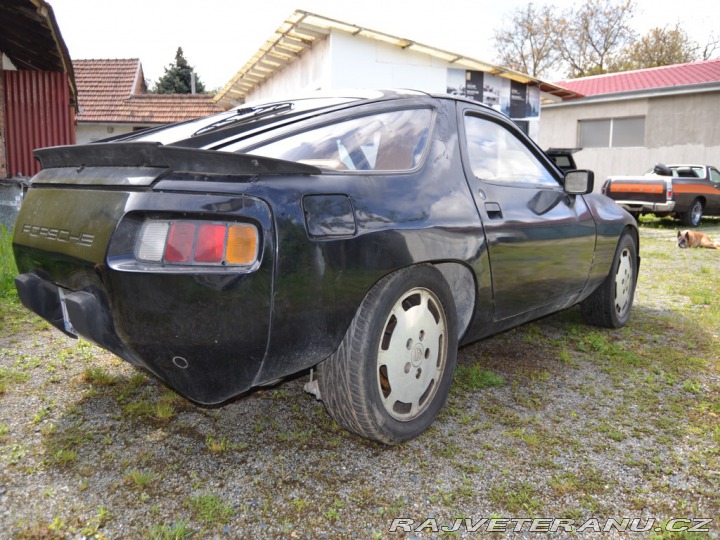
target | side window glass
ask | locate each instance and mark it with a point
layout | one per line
(392, 141)
(715, 175)
(497, 155)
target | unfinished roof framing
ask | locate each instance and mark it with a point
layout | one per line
(302, 29)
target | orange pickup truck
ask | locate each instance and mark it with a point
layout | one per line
(684, 191)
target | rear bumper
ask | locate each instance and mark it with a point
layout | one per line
(647, 207)
(203, 331)
(205, 369)
(85, 314)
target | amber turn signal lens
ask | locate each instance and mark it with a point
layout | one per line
(242, 244)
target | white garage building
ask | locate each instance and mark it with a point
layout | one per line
(309, 52)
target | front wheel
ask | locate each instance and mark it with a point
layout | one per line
(692, 217)
(610, 304)
(391, 374)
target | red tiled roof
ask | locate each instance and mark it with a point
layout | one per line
(114, 91)
(646, 79)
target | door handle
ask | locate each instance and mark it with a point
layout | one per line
(493, 210)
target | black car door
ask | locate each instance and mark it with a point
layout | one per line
(540, 239)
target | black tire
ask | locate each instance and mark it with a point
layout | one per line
(401, 345)
(609, 305)
(692, 217)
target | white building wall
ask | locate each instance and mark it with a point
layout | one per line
(307, 74)
(358, 62)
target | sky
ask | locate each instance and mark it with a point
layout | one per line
(219, 36)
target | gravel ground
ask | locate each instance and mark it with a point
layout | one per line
(551, 420)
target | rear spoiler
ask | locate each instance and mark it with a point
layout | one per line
(179, 159)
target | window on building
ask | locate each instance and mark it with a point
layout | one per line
(612, 132)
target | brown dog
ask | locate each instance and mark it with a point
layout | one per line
(688, 239)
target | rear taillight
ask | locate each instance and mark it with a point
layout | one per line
(197, 243)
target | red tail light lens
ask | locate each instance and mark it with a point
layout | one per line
(180, 242)
(210, 246)
(197, 243)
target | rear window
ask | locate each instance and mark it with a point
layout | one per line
(389, 141)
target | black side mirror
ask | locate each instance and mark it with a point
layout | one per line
(579, 182)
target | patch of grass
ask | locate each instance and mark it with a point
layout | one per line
(65, 456)
(139, 408)
(472, 377)
(516, 498)
(611, 431)
(210, 509)
(8, 269)
(531, 439)
(62, 444)
(177, 531)
(97, 376)
(619, 354)
(163, 411)
(219, 446)
(10, 376)
(43, 413)
(140, 479)
(101, 518)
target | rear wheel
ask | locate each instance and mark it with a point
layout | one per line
(610, 304)
(391, 375)
(692, 217)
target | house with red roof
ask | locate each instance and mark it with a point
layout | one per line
(113, 100)
(627, 122)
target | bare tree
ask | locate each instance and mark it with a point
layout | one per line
(712, 45)
(592, 37)
(527, 43)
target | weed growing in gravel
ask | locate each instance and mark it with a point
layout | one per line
(97, 376)
(611, 431)
(44, 412)
(139, 408)
(163, 411)
(219, 446)
(517, 498)
(210, 509)
(65, 456)
(9, 376)
(62, 444)
(8, 270)
(92, 528)
(177, 531)
(140, 479)
(472, 377)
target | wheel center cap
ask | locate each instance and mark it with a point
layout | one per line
(418, 353)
